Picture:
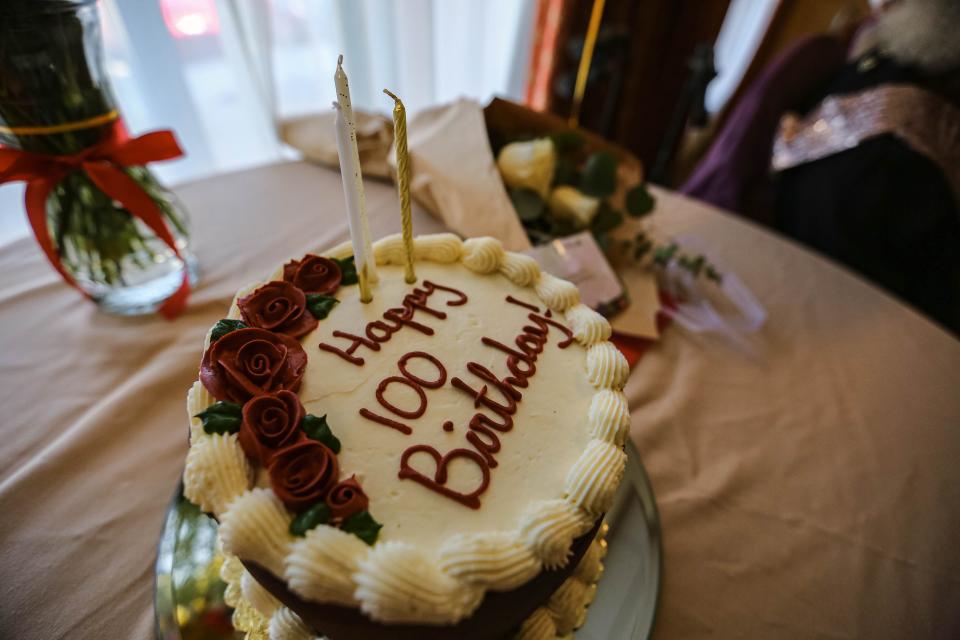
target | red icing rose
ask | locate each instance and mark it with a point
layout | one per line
(302, 474)
(347, 498)
(278, 306)
(270, 422)
(248, 362)
(313, 274)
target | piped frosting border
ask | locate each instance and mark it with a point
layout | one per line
(262, 617)
(393, 582)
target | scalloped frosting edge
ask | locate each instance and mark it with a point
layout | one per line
(218, 479)
(261, 616)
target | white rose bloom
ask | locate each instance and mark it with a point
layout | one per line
(528, 165)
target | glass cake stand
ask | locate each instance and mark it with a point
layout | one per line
(189, 592)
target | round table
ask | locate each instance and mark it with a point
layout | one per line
(808, 486)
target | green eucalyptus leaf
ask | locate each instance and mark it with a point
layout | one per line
(663, 254)
(604, 241)
(642, 248)
(639, 201)
(363, 526)
(607, 219)
(318, 429)
(313, 517)
(348, 271)
(529, 205)
(221, 417)
(566, 141)
(563, 227)
(225, 326)
(599, 177)
(713, 274)
(566, 172)
(320, 305)
(538, 236)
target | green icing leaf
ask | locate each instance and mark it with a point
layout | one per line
(348, 271)
(528, 204)
(639, 201)
(313, 517)
(225, 326)
(607, 218)
(221, 417)
(363, 526)
(320, 305)
(318, 429)
(599, 177)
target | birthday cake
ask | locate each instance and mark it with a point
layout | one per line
(432, 463)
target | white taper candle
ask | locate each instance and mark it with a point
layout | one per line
(359, 226)
(362, 252)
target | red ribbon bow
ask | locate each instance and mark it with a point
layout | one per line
(103, 163)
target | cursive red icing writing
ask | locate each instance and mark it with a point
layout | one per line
(387, 422)
(438, 482)
(500, 396)
(405, 413)
(429, 384)
(380, 331)
(414, 382)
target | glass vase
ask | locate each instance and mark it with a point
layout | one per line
(55, 99)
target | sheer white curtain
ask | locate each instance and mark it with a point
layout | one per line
(220, 73)
(740, 35)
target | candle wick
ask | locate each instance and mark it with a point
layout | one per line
(340, 60)
(390, 93)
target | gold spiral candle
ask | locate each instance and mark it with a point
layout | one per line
(586, 57)
(403, 184)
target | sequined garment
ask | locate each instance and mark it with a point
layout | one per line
(922, 120)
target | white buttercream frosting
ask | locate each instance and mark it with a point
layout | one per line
(256, 595)
(591, 564)
(549, 529)
(439, 247)
(198, 399)
(497, 560)
(588, 326)
(398, 583)
(538, 626)
(606, 366)
(609, 416)
(557, 294)
(256, 527)
(231, 572)
(482, 255)
(435, 558)
(565, 611)
(389, 250)
(216, 472)
(321, 565)
(520, 269)
(592, 481)
(286, 625)
(568, 605)
(342, 250)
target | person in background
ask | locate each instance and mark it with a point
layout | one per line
(860, 157)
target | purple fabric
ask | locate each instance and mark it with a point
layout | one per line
(735, 172)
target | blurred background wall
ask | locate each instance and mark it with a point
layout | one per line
(223, 73)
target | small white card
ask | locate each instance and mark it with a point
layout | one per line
(578, 258)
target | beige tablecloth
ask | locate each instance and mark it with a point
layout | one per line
(811, 489)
